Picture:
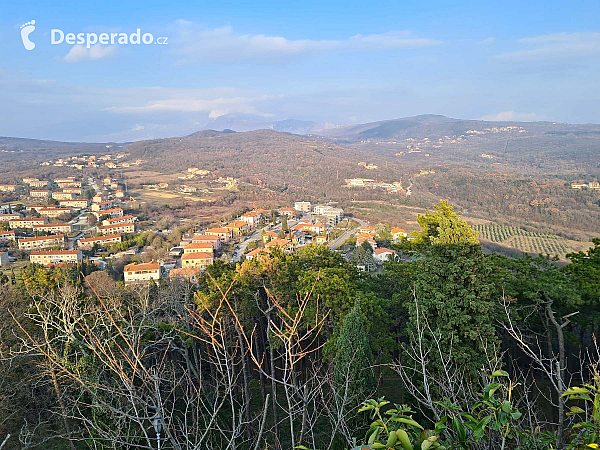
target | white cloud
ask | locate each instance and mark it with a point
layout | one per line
(224, 45)
(95, 52)
(511, 116)
(557, 46)
(487, 41)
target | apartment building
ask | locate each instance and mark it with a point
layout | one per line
(63, 195)
(75, 203)
(54, 228)
(56, 256)
(32, 243)
(302, 206)
(39, 193)
(7, 236)
(8, 187)
(122, 228)
(9, 217)
(26, 223)
(88, 243)
(198, 247)
(54, 212)
(119, 220)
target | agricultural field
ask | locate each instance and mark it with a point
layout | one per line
(529, 241)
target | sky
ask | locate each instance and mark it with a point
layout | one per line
(326, 61)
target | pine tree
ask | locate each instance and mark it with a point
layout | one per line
(354, 360)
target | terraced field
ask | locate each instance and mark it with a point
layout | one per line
(528, 241)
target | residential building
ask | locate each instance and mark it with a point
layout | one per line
(366, 238)
(9, 217)
(141, 273)
(198, 247)
(224, 233)
(72, 190)
(237, 227)
(68, 183)
(26, 223)
(302, 206)
(214, 240)
(252, 218)
(290, 212)
(257, 251)
(39, 193)
(113, 212)
(200, 260)
(39, 184)
(321, 239)
(103, 206)
(55, 240)
(28, 180)
(88, 243)
(63, 195)
(8, 187)
(332, 215)
(122, 228)
(7, 236)
(75, 203)
(119, 220)
(382, 255)
(54, 212)
(398, 233)
(284, 244)
(274, 234)
(56, 256)
(4, 261)
(54, 228)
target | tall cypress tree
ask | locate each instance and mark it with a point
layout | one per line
(354, 360)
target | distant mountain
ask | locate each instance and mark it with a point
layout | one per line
(251, 122)
(437, 126)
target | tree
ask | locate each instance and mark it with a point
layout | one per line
(364, 257)
(353, 370)
(284, 223)
(452, 288)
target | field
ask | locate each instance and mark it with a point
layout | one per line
(528, 241)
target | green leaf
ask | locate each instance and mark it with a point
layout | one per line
(460, 429)
(575, 390)
(499, 373)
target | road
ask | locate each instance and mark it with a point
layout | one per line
(347, 234)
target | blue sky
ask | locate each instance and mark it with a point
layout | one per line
(334, 62)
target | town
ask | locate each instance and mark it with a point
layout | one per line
(69, 221)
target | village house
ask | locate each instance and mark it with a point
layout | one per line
(274, 234)
(75, 203)
(252, 218)
(215, 241)
(284, 244)
(55, 240)
(198, 247)
(99, 197)
(398, 233)
(290, 212)
(366, 230)
(88, 243)
(237, 227)
(119, 194)
(316, 228)
(321, 239)
(39, 193)
(56, 256)
(63, 195)
(54, 212)
(141, 272)
(119, 220)
(122, 228)
(28, 180)
(4, 261)
(36, 208)
(224, 233)
(54, 228)
(8, 187)
(257, 251)
(26, 223)
(366, 238)
(7, 236)
(68, 183)
(382, 255)
(200, 260)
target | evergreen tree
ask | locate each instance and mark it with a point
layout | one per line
(284, 223)
(354, 360)
(453, 292)
(364, 257)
